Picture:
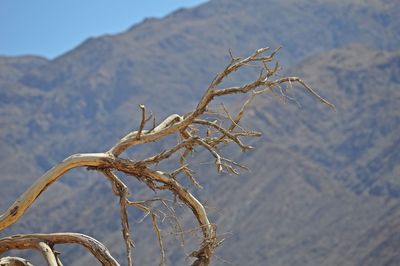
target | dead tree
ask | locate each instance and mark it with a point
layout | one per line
(200, 128)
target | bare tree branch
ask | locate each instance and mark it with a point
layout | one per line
(193, 129)
(30, 241)
(309, 89)
(122, 192)
(19, 207)
(144, 120)
(14, 261)
(48, 254)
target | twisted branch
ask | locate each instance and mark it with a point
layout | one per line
(14, 261)
(31, 241)
(194, 129)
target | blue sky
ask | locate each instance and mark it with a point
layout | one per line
(49, 28)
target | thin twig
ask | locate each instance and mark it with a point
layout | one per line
(123, 201)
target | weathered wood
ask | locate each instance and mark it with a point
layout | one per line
(14, 261)
(47, 253)
(31, 241)
(19, 207)
(189, 128)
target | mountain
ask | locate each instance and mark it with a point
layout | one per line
(327, 191)
(13, 68)
(323, 189)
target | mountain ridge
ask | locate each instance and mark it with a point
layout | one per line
(323, 189)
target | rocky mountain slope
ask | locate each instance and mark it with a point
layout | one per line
(327, 191)
(324, 185)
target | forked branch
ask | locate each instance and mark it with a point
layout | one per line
(14, 261)
(199, 128)
(32, 241)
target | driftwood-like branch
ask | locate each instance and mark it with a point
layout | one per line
(31, 241)
(193, 129)
(48, 253)
(209, 233)
(104, 161)
(14, 261)
(121, 190)
(26, 200)
(37, 244)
